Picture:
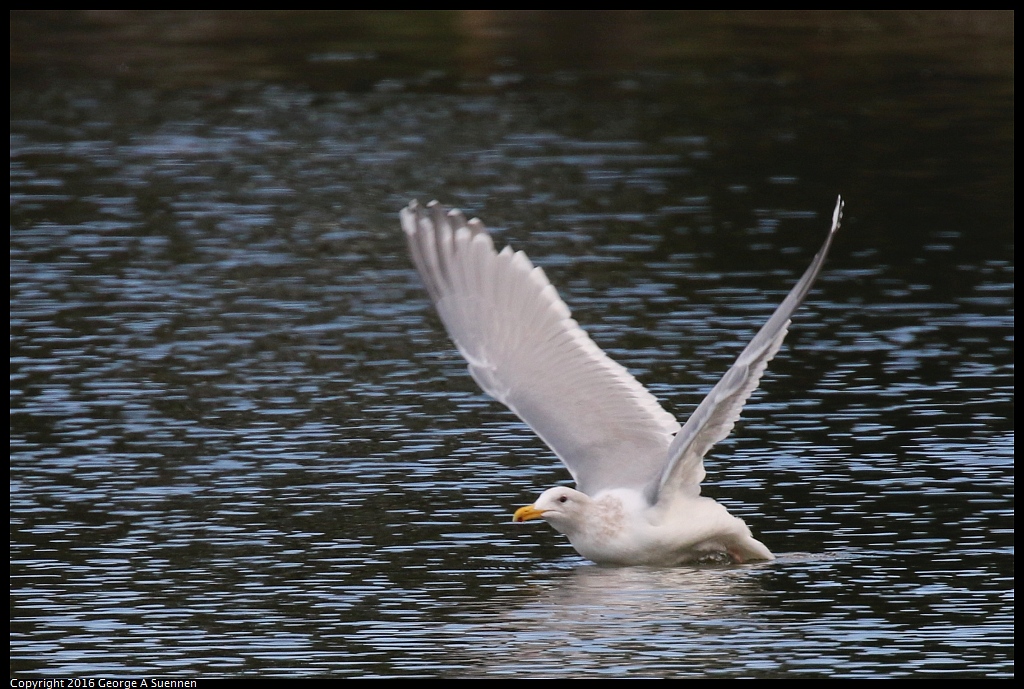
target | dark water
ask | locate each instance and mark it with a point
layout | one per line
(241, 442)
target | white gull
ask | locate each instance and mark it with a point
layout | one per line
(637, 499)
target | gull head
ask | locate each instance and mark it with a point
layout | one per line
(601, 528)
(562, 507)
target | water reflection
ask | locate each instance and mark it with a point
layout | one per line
(634, 621)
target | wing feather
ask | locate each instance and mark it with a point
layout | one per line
(716, 415)
(525, 350)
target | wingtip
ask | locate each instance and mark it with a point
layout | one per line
(408, 217)
(439, 216)
(413, 207)
(456, 219)
(837, 214)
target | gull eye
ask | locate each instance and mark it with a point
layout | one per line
(564, 498)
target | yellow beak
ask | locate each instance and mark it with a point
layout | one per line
(527, 513)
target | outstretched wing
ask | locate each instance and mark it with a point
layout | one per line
(717, 414)
(525, 350)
